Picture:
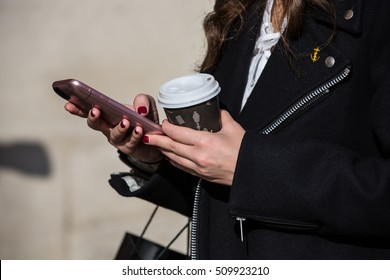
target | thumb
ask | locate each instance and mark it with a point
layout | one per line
(229, 125)
(225, 117)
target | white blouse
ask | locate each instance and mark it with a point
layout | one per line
(262, 51)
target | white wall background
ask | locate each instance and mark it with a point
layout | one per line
(120, 47)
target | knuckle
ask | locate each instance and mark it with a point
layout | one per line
(205, 141)
(112, 137)
(172, 147)
(203, 161)
(110, 140)
(172, 133)
(90, 123)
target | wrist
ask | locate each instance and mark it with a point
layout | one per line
(143, 169)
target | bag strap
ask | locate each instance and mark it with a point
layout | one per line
(169, 244)
(173, 240)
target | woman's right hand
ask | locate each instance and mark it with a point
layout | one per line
(120, 136)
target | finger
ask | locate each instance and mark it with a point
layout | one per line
(226, 119)
(225, 116)
(119, 133)
(145, 105)
(153, 111)
(179, 161)
(188, 166)
(169, 147)
(180, 134)
(132, 142)
(136, 137)
(141, 104)
(74, 110)
(95, 122)
(181, 166)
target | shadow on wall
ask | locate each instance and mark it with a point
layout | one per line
(27, 157)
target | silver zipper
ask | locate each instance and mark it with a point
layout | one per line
(306, 101)
(294, 110)
(241, 221)
(194, 221)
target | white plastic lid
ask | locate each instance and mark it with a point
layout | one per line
(188, 90)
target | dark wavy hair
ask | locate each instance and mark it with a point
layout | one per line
(228, 13)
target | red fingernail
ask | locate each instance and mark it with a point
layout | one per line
(145, 139)
(142, 110)
(122, 125)
(136, 131)
(92, 114)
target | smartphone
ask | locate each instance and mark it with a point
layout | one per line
(113, 112)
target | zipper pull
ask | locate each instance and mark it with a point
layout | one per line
(241, 220)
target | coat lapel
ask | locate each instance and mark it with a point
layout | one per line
(279, 86)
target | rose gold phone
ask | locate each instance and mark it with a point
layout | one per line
(113, 112)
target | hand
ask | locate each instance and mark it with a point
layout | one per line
(210, 156)
(128, 142)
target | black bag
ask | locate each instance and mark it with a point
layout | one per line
(138, 248)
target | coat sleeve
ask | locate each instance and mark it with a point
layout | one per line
(168, 187)
(312, 185)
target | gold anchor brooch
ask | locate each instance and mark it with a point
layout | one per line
(314, 56)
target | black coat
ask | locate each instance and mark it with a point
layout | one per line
(317, 184)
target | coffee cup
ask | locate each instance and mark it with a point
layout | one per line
(192, 101)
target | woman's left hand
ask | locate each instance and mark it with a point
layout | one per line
(210, 156)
